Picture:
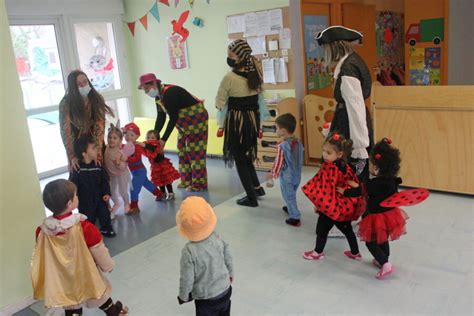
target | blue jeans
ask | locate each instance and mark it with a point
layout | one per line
(139, 180)
(289, 187)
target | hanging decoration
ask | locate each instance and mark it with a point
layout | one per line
(191, 3)
(178, 26)
(131, 27)
(165, 2)
(176, 2)
(198, 22)
(177, 51)
(144, 19)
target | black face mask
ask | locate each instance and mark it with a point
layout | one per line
(231, 62)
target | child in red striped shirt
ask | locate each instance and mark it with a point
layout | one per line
(287, 166)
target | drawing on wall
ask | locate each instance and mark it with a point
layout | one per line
(103, 76)
(317, 73)
(177, 51)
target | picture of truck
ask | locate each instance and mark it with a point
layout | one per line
(429, 30)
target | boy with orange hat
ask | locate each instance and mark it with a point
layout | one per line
(206, 262)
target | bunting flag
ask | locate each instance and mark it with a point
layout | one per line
(165, 2)
(144, 21)
(154, 12)
(176, 2)
(131, 26)
(191, 3)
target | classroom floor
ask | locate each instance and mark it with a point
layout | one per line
(434, 270)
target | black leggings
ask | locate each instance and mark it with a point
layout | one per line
(381, 252)
(247, 174)
(168, 187)
(323, 227)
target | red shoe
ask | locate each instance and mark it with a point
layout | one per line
(376, 263)
(386, 270)
(349, 255)
(313, 255)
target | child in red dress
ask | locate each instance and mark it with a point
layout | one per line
(163, 174)
(333, 207)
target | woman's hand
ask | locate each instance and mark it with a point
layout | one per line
(220, 132)
(74, 164)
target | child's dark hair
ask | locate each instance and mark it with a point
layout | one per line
(286, 121)
(115, 130)
(80, 146)
(340, 143)
(386, 158)
(57, 194)
(153, 132)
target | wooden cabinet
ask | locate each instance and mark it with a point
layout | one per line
(434, 129)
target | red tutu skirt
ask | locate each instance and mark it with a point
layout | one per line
(163, 173)
(382, 227)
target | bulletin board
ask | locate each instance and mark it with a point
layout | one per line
(272, 54)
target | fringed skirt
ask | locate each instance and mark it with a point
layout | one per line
(241, 132)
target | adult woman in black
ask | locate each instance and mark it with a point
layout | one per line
(239, 91)
(188, 114)
(352, 86)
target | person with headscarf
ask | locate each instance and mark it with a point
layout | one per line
(82, 113)
(239, 94)
(188, 114)
(352, 86)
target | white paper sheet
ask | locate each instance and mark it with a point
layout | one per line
(285, 38)
(263, 23)
(268, 71)
(276, 20)
(235, 24)
(257, 44)
(251, 26)
(281, 70)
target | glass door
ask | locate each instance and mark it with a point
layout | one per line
(39, 65)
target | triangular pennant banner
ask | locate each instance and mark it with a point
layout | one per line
(131, 27)
(191, 3)
(176, 2)
(165, 2)
(144, 21)
(154, 12)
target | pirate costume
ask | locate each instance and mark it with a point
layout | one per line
(242, 122)
(352, 86)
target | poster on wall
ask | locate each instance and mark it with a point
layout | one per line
(177, 52)
(317, 73)
(433, 62)
(416, 65)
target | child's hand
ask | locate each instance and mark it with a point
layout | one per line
(220, 132)
(141, 144)
(340, 190)
(353, 184)
(106, 198)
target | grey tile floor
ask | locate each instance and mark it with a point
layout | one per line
(434, 263)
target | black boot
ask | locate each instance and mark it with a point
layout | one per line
(260, 191)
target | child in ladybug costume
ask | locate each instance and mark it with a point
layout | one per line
(334, 208)
(384, 221)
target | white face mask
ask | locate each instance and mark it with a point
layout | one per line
(84, 91)
(152, 93)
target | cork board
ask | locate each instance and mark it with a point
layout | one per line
(274, 54)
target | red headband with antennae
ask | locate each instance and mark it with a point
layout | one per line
(378, 156)
(388, 141)
(336, 137)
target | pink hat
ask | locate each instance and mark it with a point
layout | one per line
(146, 78)
(132, 127)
